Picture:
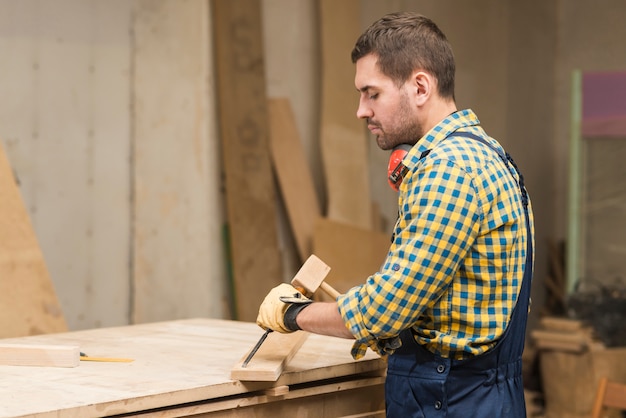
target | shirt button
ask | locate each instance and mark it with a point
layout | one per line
(441, 368)
(396, 267)
(438, 405)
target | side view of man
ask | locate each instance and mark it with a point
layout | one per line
(450, 303)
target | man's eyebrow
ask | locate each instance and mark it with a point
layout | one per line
(364, 89)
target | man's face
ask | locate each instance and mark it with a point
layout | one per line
(388, 110)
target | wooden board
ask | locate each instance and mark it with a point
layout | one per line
(39, 355)
(343, 136)
(250, 191)
(177, 214)
(277, 349)
(175, 363)
(354, 253)
(294, 175)
(28, 301)
(271, 359)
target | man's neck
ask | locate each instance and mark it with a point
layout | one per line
(437, 111)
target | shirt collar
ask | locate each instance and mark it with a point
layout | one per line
(459, 119)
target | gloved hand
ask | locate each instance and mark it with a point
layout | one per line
(280, 307)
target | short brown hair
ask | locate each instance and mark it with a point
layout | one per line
(404, 42)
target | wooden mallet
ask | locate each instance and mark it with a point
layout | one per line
(311, 277)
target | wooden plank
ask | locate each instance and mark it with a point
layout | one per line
(343, 137)
(177, 201)
(39, 355)
(294, 175)
(28, 301)
(270, 361)
(354, 253)
(274, 354)
(250, 191)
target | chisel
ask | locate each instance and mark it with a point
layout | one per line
(256, 348)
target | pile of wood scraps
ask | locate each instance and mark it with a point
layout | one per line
(568, 335)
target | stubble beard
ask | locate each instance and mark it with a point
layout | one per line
(406, 130)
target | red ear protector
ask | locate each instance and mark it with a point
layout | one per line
(395, 169)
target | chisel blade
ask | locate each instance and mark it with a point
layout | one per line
(256, 348)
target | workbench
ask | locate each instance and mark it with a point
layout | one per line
(182, 368)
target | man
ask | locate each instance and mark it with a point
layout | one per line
(450, 303)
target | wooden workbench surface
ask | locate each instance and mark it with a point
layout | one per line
(175, 363)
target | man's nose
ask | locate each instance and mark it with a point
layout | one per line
(363, 111)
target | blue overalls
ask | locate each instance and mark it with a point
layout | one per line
(422, 384)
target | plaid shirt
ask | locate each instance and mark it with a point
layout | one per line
(456, 262)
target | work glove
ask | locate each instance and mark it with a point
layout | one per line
(280, 307)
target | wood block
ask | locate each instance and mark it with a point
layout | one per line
(39, 355)
(243, 120)
(343, 138)
(272, 357)
(28, 302)
(293, 173)
(355, 253)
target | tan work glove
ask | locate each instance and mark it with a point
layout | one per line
(280, 307)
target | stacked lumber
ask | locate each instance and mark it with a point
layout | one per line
(562, 334)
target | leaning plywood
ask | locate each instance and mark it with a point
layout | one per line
(250, 190)
(28, 302)
(355, 253)
(343, 139)
(294, 174)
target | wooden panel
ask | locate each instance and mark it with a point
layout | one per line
(343, 136)
(294, 174)
(162, 374)
(353, 253)
(250, 191)
(177, 257)
(28, 302)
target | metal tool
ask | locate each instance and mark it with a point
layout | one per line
(256, 348)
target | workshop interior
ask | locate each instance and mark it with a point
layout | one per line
(164, 164)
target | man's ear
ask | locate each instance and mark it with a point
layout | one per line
(424, 86)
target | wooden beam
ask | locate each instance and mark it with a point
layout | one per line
(294, 175)
(28, 302)
(250, 191)
(39, 355)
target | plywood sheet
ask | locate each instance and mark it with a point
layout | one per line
(175, 362)
(343, 137)
(250, 190)
(177, 214)
(293, 173)
(28, 301)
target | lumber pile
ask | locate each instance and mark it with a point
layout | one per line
(567, 335)
(572, 361)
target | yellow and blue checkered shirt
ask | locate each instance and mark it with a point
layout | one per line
(456, 262)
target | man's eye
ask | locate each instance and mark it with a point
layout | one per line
(374, 96)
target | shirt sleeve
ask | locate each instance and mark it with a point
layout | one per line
(438, 222)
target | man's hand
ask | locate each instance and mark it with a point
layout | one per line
(281, 306)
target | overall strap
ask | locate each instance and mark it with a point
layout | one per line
(504, 156)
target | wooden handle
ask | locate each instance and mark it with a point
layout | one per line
(330, 291)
